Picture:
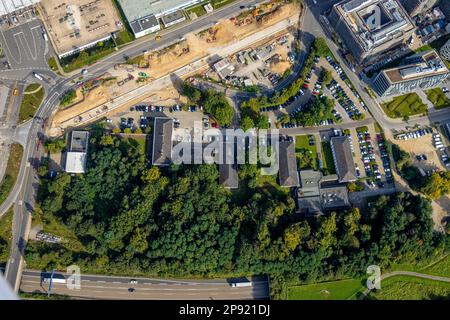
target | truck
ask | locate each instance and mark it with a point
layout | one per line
(38, 76)
(55, 280)
(241, 284)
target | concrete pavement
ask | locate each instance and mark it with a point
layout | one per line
(107, 287)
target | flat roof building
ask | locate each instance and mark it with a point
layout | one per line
(10, 6)
(316, 195)
(420, 71)
(143, 15)
(288, 171)
(334, 198)
(173, 18)
(76, 25)
(77, 154)
(162, 142)
(343, 159)
(371, 27)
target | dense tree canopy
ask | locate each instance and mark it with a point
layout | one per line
(134, 218)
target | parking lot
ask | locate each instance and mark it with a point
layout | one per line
(23, 49)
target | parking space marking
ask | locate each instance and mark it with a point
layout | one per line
(10, 55)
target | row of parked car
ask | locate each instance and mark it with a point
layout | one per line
(384, 157)
(343, 99)
(336, 67)
(414, 134)
(47, 237)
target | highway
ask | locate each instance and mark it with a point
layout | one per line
(108, 287)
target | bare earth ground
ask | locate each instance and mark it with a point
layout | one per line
(422, 145)
(94, 98)
(167, 60)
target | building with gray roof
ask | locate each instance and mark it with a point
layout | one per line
(76, 157)
(162, 142)
(343, 159)
(288, 174)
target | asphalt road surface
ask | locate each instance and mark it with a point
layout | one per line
(106, 287)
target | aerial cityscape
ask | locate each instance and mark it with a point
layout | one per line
(225, 150)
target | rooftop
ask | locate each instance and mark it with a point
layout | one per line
(79, 141)
(343, 159)
(374, 22)
(288, 174)
(9, 6)
(135, 10)
(74, 24)
(419, 66)
(76, 162)
(162, 142)
(334, 198)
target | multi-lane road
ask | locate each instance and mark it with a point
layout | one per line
(108, 287)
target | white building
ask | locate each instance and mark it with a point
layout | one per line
(143, 16)
(77, 154)
(10, 6)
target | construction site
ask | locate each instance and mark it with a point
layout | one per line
(144, 76)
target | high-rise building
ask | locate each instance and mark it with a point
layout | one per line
(371, 27)
(420, 71)
(445, 50)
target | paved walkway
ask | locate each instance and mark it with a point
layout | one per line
(425, 100)
(408, 273)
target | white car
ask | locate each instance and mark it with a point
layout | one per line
(133, 281)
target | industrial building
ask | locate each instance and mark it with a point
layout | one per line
(143, 15)
(76, 25)
(420, 71)
(77, 154)
(343, 159)
(10, 6)
(371, 27)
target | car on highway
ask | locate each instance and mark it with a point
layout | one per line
(84, 71)
(131, 289)
(133, 281)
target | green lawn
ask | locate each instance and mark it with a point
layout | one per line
(52, 64)
(362, 129)
(197, 9)
(411, 288)
(142, 143)
(327, 157)
(31, 102)
(334, 290)
(12, 171)
(88, 57)
(438, 98)
(306, 154)
(5, 236)
(406, 105)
